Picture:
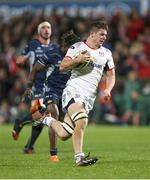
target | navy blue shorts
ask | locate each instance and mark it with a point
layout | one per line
(52, 96)
(38, 90)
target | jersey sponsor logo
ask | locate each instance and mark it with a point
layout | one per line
(39, 51)
(39, 55)
(96, 65)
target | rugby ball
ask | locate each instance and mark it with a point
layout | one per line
(85, 68)
(82, 65)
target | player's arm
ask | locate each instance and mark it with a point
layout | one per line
(21, 60)
(36, 68)
(110, 82)
(24, 57)
(69, 63)
(31, 78)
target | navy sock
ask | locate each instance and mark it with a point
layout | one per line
(36, 131)
(53, 151)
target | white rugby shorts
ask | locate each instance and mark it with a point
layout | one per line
(78, 95)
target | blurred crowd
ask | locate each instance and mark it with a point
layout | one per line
(129, 41)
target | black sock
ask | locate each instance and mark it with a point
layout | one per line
(26, 119)
(53, 151)
(36, 130)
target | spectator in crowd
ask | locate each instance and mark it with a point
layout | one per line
(133, 103)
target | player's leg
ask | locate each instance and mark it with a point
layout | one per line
(66, 129)
(37, 110)
(79, 116)
(35, 132)
(75, 103)
(19, 123)
(28, 118)
(52, 108)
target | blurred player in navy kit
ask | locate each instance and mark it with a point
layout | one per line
(56, 80)
(35, 49)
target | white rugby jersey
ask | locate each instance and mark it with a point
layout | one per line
(88, 83)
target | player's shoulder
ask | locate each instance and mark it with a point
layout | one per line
(77, 45)
(106, 50)
(34, 42)
(54, 46)
(54, 49)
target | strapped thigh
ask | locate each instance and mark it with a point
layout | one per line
(68, 128)
(68, 125)
(79, 115)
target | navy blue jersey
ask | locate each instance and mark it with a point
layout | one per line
(34, 50)
(56, 80)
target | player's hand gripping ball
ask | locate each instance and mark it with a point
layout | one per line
(85, 67)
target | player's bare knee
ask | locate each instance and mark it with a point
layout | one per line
(81, 123)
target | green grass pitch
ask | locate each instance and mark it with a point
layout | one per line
(123, 152)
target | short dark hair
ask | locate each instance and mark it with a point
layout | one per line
(96, 25)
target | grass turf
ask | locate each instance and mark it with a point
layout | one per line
(123, 152)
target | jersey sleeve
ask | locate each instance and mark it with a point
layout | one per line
(26, 50)
(110, 62)
(72, 51)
